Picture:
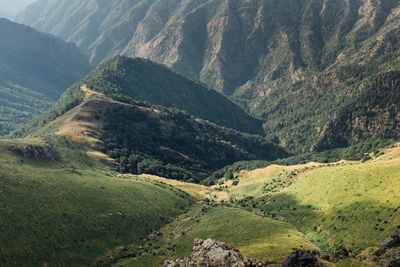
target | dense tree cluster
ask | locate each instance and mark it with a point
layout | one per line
(173, 144)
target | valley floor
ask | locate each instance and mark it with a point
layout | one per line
(75, 210)
(269, 212)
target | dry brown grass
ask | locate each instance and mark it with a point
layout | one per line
(197, 191)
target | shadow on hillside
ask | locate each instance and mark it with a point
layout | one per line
(357, 226)
(362, 224)
(284, 204)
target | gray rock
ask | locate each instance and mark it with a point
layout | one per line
(44, 152)
(391, 258)
(213, 253)
(390, 242)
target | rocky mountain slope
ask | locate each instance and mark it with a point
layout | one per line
(287, 62)
(35, 69)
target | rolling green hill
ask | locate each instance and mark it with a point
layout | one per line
(74, 210)
(35, 69)
(256, 237)
(62, 204)
(307, 68)
(348, 203)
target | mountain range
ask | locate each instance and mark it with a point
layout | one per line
(270, 125)
(262, 54)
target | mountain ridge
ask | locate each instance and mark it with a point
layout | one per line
(276, 59)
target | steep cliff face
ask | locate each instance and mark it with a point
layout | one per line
(273, 57)
(223, 43)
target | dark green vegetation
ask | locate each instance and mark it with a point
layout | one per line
(173, 144)
(73, 211)
(323, 75)
(318, 72)
(35, 69)
(143, 80)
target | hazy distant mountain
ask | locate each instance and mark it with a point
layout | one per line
(287, 62)
(12, 7)
(35, 69)
(5, 15)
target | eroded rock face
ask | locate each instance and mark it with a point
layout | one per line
(390, 242)
(44, 152)
(389, 251)
(213, 253)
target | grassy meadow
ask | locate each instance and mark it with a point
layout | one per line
(61, 214)
(354, 204)
(78, 211)
(255, 236)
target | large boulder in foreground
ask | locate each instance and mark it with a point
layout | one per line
(213, 253)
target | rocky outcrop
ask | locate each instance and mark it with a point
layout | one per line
(213, 253)
(338, 254)
(391, 258)
(42, 152)
(388, 253)
(301, 258)
(390, 242)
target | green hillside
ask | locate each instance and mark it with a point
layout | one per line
(144, 138)
(72, 211)
(173, 144)
(256, 237)
(143, 80)
(348, 203)
(35, 69)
